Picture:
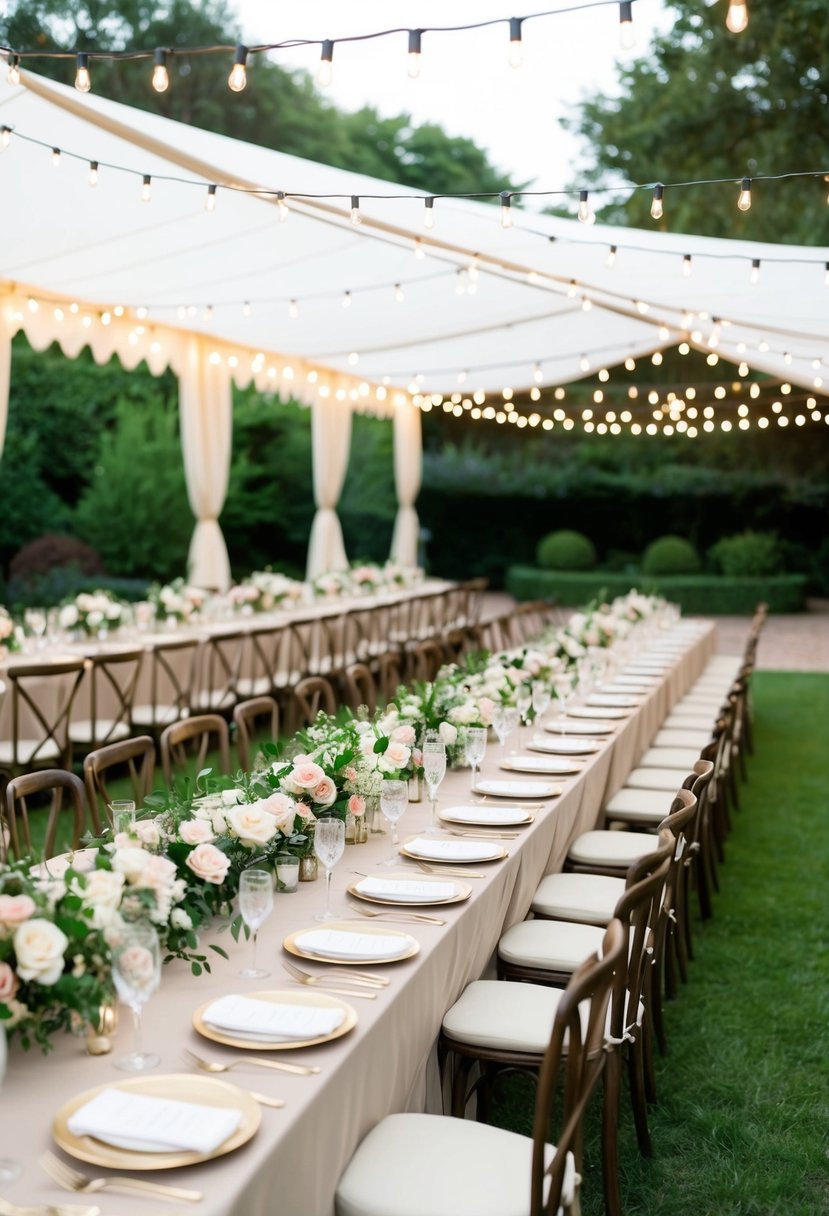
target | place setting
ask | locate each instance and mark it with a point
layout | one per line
(563, 746)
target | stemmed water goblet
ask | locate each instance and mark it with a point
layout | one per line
(475, 749)
(523, 703)
(136, 973)
(34, 620)
(563, 687)
(541, 698)
(255, 906)
(329, 846)
(394, 799)
(434, 770)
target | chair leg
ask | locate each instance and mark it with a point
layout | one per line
(702, 863)
(462, 1067)
(636, 1077)
(610, 1134)
(654, 1003)
(646, 1034)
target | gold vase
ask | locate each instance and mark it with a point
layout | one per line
(307, 868)
(99, 1037)
(356, 828)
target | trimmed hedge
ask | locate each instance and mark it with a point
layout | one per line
(566, 550)
(697, 594)
(670, 555)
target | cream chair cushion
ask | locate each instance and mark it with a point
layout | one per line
(551, 945)
(87, 731)
(647, 804)
(431, 1165)
(583, 897)
(503, 1015)
(676, 737)
(668, 779)
(28, 750)
(687, 719)
(619, 849)
(683, 758)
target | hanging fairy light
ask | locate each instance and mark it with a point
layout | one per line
(346, 300)
(6, 135)
(13, 74)
(56, 158)
(238, 78)
(506, 209)
(356, 217)
(611, 257)
(325, 71)
(160, 76)
(626, 34)
(399, 294)
(656, 202)
(428, 213)
(281, 206)
(736, 18)
(146, 188)
(83, 81)
(686, 266)
(585, 215)
(93, 173)
(210, 201)
(413, 68)
(293, 309)
(744, 200)
(516, 50)
(754, 276)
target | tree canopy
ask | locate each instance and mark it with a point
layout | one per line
(700, 102)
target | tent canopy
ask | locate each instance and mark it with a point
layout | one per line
(485, 306)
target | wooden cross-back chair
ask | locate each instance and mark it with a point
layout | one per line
(165, 687)
(260, 661)
(136, 755)
(221, 669)
(312, 696)
(359, 687)
(194, 736)
(257, 717)
(112, 678)
(42, 696)
(390, 674)
(56, 781)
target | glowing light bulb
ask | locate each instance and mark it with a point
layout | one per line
(585, 215)
(56, 158)
(356, 218)
(160, 77)
(754, 277)
(293, 309)
(744, 201)
(93, 173)
(83, 81)
(737, 16)
(826, 267)
(656, 202)
(146, 188)
(611, 257)
(584, 364)
(506, 209)
(325, 71)
(516, 55)
(399, 294)
(246, 309)
(346, 299)
(626, 34)
(538, 375)
(419, 251)
(6, 134)
(281, 207)
(686, 266)
(414, 54)
(238, 78)
(210, 201)
(13, 74)
(428, 213)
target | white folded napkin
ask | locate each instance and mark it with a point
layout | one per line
(268, 1020)
(538, 764)
(500, 816)
(517, 789)
(564, 726)
(453, 850)
(405, 889)
(154, 1125)
(336, 943)
(595, 711)
(616, 699)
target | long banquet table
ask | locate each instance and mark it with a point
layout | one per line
(387, 1063)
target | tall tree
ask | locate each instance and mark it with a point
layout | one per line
(701, 102)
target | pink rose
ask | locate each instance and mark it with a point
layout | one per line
(208, 863)
(14, 909)
(195, 831)
(486, 707)
(305, 776)
(396, 756)
(350, 772)
(403, 734)
(417, 757)
(356, 805)
(147, 832)
(158, 873)
(303, 810)
(279, 805)
(324, 792)
(9, 982)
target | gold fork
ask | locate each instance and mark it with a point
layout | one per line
(399, 917)
(302, 1070)
(341, 976)
(73, 1180)
(302, 977)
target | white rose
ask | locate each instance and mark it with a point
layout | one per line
(180, 919)
(251, 824)
(448, 734)
(94, 618)
(396, 756)
(231, 797)
(131, 862)
(103, 889)
(147, 832)
(68, 616)
(39, 947)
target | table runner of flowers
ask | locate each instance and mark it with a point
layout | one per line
(180, 864)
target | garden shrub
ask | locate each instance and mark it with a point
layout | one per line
(670, 555)
(51, 552)
(566, 550)
(747, 554)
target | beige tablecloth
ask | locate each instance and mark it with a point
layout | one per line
(387, 1062)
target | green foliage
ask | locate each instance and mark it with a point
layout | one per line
(700, 103)
(135, 510)
(670, 555)
(747, 554)
(566, 550)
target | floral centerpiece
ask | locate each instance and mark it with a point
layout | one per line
(331, 586)
(9, 634)
(265, 590)
(93, 613)
(177, 601)
(366, 578)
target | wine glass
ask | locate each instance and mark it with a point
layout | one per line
(34, 620)
(136, 973)
(329, 845)
(434, 770)
(394, 799)
(523, 703)
(475, 749)
(563, 685)
(10, 1170)
(541, 698)
(255, 906)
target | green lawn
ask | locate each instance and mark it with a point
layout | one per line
(741, 1125)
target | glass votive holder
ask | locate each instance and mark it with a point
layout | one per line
(287, 872)
(123, 815)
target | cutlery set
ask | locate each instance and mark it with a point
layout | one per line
(75, 1180)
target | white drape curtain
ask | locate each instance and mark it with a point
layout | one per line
(5, 375)
(205, 411)
(331, 439)
(408, 471)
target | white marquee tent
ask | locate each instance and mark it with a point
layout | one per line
(238, 295)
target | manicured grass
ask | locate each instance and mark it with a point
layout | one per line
(741, 1125)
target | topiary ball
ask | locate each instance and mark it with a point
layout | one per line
(671, 555)
(566, 550)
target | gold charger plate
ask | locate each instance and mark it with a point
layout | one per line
(536, 766)
(412, 944)
(287, 996)
(454, 861)
(458, 898)
(206, 1091)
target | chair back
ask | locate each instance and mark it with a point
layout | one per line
(261, 660)
(180, 741)
(42, 697)
(258, 716)
(221, 669)
(390, 667)
(167, 688)
(359, 687)
(576, 1050)
(426, 660)
(136, 755)
(112, 677)
(56, 781)
(638, 910)
(312, 696)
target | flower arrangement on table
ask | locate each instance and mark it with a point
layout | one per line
(93, 612)
(10, 634)
(265, 590)
(177, 601)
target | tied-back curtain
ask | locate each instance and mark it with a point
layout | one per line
(5, 375)
(408, 467)
(331, 442)
(205, 411)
